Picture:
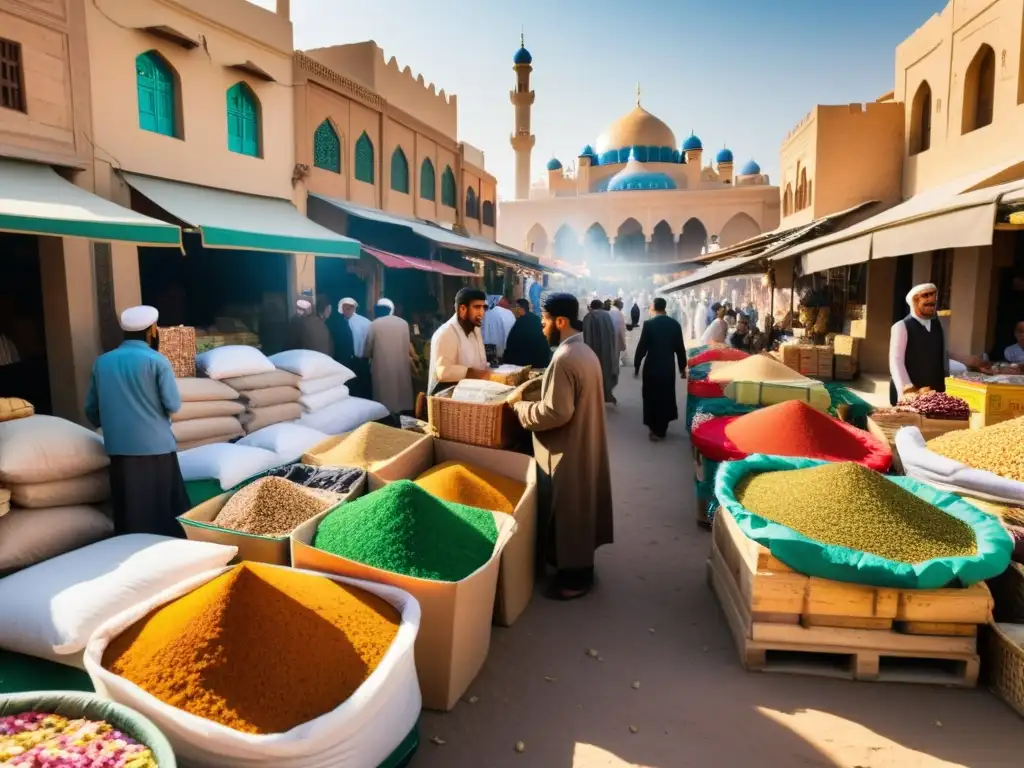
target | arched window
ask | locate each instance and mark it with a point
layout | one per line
(448, 193)
(979, 90)
(158, 97)
(921, 119)
(801, 191)
(787, 201)
(243, 120)
(364, 159)
(472, 208)
(399, 171)
(428, 181)
(488, 213)
(327, 148)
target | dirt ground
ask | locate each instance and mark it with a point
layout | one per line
(654, 621)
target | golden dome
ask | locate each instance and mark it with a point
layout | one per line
(638, 128)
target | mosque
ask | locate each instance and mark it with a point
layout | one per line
(634, 197)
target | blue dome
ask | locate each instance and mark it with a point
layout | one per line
(554, 164)
(587, 151)
(750, 169)
(522, 57)
(622, 182)
(692, 143)
(724, 156)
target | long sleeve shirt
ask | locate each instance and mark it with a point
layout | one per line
(131, 396)
(453, 352)
(360, 327)
(898, 353)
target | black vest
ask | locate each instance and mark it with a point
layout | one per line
(925, 358)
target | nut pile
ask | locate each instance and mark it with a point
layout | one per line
(273, 506)
(939, 405)
(852, 506)
(366, 447)
(998, 448)
(42, 739)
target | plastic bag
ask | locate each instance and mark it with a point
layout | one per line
(815, 558)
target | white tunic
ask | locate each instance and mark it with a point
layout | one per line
(453, 352)
(360, 327)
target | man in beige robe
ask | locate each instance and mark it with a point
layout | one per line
(571, 448)
(387, 347)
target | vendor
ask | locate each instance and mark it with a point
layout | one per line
(918, 355)
(457, 347)
(1015, 352)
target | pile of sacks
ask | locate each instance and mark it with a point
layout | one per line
(209, 414)
(322, 383)
(268, 396)
(55, 475)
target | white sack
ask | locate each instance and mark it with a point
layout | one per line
(308, 364)
(315, 386)
(227, 463)
(38, 449)
(288, 441)
(231, 361)
(344, 416)
(319, 401)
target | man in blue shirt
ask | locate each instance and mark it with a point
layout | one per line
(131, 397)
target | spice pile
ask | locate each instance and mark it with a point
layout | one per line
(258, 649)
(365, 447)
(998, 448)
(754, 368)
(472, 486)
(938, 405)
(403, 529)
(850, 506)
(273, 506)
(40, 739)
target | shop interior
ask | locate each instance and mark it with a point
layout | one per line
(23, 365)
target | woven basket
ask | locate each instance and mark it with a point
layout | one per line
(489, 425)
(510, 379)
(1008, 594)
(1002, 658)
(178, 344)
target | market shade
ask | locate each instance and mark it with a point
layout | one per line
(244, 222)
(36, 200)
(737, 265)
(394, 261)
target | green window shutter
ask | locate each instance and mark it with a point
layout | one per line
(448, 193)
(399, 171)
(364, 159)
(428, 182)
(243, 121)
(327, 148)
(471, 204)
(157, 98)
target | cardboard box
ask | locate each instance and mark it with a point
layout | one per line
(825, 355)
(517, 573)
(455, 622)
(276, 550)
(314, 455)
(994, 402)
(845, 367)
(791, 356)
(808, 360)
(846, 345)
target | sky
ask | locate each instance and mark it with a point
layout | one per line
(740, 73)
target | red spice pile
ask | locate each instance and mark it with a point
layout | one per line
(794, 428)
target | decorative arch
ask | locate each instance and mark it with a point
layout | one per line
(921, 119)
(567, 244)
(399, 171)
(428, 180)
(158, 89)
(537, 240)
(630, 241)
(244, 121)
(449, 194)
(487, 213)
(472, 204)
(979, 90)
(663, 242)
(327, 147)
(595, 244)
(692, 239)
(737, 229)
(364, 159)
(802, 200)
(787, 200)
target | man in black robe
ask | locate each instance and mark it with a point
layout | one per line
(661, 340)
(527, 344)
(344, 342)
(634, 316)
(599, 334)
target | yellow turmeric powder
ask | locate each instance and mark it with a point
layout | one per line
(473, 486)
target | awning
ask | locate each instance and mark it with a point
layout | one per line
(394, 261)
(36, 200)
(243, 222)
(737, 265)
(841, 254)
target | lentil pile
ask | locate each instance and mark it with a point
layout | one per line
(258, 649)
(851, 506)
(404, 529)
(998, 448)
(753, 368)
(273, 506)
(365, 447)
(34, 739)
(472, 486)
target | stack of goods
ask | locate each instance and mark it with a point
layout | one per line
(209, 413)
(288, 441)
(403, 529)
(178, 345)
(847, 357)
(808, 359)
(322, 380)
(212, 469)
(49, 739)
(368, 447)
(269, 398)
(273, 506)
(53, 473)
(472, 486)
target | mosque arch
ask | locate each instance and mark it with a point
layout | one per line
(663, 242)
(537, 240)
(595, 244)
(802, 200)
(979, 90)
(737, 229)
(692, 239)
(567, 244)
(921, 119)
(630, 242)
(787, 200)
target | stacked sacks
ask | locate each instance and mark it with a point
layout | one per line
(240, 365)
(209, 414)
(54, 473)
(270, 398)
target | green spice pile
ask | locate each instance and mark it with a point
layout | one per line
(273, 506)
(851, 506)
(404, 529)
(998, 448)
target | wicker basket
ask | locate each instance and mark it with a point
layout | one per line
(510, 379)
(1002, 658)
(489, 425)
(178, 344)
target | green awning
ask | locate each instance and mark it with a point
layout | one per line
(36, 200)
(243, 222)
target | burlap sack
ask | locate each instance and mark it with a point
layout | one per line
(30, 536)
(224, 427)
(263, 381)
(87, 489)
(258, 418)
(208, 441)
(195, 390)
(41, 448)
(207, 409)
(12, 408)
(264, 398)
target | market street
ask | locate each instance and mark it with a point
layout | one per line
(654, 621)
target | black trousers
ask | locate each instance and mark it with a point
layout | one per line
(148, 494)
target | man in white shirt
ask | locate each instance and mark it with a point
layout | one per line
(498, 323)
(361, 386)
(457, 347)
(717, 330)
(918, 355)
(1015, 352)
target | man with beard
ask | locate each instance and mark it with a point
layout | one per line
(457, 347)
(599, 334)
(661, 343)
(571, 448)
(526, 343)
(918, 356)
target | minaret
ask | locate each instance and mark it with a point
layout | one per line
(522, 99)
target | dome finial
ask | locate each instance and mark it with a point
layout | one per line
(638, 93)
(522, 37)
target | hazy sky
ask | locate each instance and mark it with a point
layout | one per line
(740, 73)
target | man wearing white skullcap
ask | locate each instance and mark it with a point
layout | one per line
(132, 395)
(359, 328)
(308, 330)
(388, 348)
(918, 355)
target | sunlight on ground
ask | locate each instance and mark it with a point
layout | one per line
(589, 756)
(850, 744)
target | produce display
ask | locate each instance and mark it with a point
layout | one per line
(365, 447)
(404, 529)
(937, 405)
(472, 486)
(272, 506)
(200, 653)
(753, 368)
(848, 505)
(40, 739)
(998, 448)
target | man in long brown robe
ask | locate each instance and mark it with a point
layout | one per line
(599, 334)
(571, 448)
(387, 346)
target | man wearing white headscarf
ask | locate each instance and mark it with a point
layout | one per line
(498, 323)
(309, 329)
(388, 348)
(918, 355)
(359, 328)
